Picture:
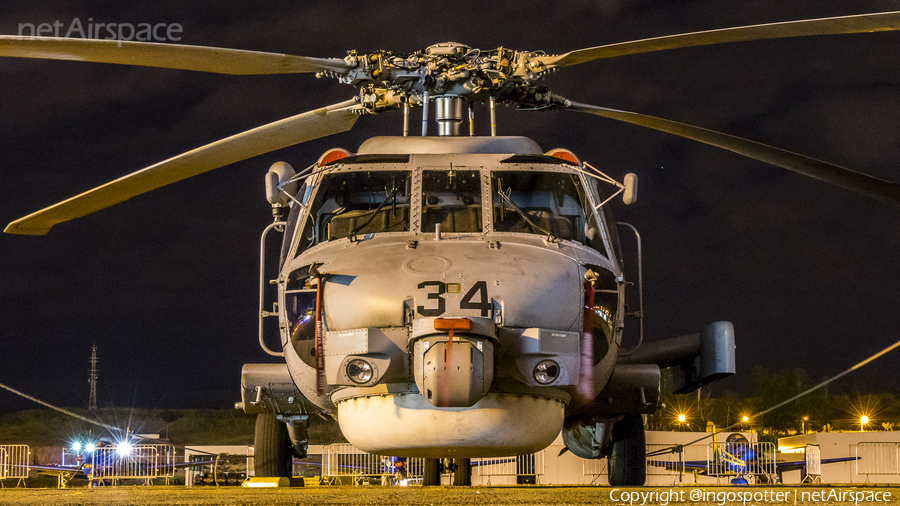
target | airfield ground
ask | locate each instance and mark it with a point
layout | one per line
(430, 496)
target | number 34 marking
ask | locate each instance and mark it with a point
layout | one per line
(439, 288)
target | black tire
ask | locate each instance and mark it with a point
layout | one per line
(432, 475)
(628, 455)
(462, 476)
(272, 452)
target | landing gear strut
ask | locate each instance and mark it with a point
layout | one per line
(628, 455)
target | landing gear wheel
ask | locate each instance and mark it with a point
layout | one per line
(462, 476)
(628, 455)
(272, 453)
(432, 476)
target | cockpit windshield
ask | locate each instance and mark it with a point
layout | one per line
(354, 203)
(348, 204)
(451, 198)
(546, 203)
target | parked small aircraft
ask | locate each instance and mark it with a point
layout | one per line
(741, 461)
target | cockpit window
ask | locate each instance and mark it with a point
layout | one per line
(546, 203)
(453, 199)
(348, 204)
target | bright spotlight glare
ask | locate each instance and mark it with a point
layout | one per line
(681, 418)
(123, 448)
(76, 447)
(864, 419)
(746, 418)
(90, 447)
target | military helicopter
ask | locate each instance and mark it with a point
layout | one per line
(448, 295)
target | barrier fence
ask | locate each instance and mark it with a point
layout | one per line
(593, 467)
(13, 462)
(813, 471)
(523, 467)
(741, 458)
(345, 461)
(141, 462)
(877, 459)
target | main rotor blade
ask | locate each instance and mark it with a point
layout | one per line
(280, 134)
(875, 22)
(839, 176)
(170, 56)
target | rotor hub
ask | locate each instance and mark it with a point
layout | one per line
(449, 70)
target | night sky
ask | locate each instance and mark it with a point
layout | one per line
(166, 283)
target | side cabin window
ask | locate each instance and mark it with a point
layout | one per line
(451, 198)
(348, 204)
(544, 203)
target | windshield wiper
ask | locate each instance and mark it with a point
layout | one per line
(505, 198)
(390, 196)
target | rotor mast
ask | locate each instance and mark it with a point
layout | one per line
(449, 115)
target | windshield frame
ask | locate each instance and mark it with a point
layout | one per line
(416, 174)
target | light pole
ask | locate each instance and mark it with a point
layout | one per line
(863, 420)
(803, 425)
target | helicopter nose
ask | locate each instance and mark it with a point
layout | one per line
(453, 371)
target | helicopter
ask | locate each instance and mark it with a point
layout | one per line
(540, 215)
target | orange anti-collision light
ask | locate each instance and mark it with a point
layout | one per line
(332, 155)
(450, 324)
(564, 154)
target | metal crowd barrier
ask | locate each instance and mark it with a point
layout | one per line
(142, 462)
(877, 459)
(593, 467)
(343, 460)
(13, 462)
(530, 465)
(812, 473)
(741, 459)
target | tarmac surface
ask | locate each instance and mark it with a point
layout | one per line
(429, 496)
